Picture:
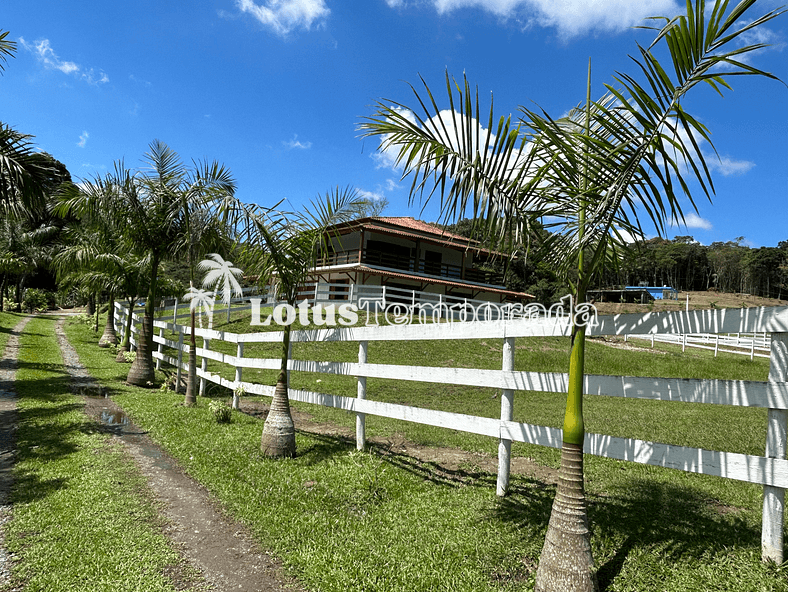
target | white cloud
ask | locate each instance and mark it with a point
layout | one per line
(371, 195)
(572, 18)
(726, 166)
(295, 143)
(391, 185)
(283, 16)
(42, 49)
(692, 220)
(83, 139)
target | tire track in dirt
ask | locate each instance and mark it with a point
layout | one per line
(219, 548)
(8, 421)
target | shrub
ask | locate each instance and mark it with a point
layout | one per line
(220, 411)
(35, 300)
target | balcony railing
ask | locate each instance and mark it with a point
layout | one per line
(410, 264)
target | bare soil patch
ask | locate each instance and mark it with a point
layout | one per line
(439, 464)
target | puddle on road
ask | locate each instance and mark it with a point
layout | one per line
(115, 418)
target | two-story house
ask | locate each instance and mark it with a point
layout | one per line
(408, 257)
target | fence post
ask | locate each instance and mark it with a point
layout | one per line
(160, 349)
(206, 344)
(716, 344)
(180, 359)
(776, 436)
(238, 372)
(507, 403)
(361, 430)
(132, 339)
(175, 312)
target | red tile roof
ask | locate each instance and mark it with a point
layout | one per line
(420, 226)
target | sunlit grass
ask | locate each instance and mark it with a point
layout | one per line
(343, 520)
(82, 518)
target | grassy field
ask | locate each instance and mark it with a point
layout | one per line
(8, 321)
(344, 520)
(82, 518)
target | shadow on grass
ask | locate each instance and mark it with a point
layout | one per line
(649, 515)
(325, 447)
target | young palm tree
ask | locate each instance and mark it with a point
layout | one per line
(283, 247)
(156, 206)
(594, 171)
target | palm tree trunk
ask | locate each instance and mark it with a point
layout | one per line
(2, 291)
(89, 306)
(98, 307)
(278, 440)
(124, 346)
(566, 563)
(110, 337)
(190, 399)
(142, 371)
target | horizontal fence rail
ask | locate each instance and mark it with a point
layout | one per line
(770, 470)
(751, 345)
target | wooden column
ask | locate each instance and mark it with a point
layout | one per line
(239, 353)
(206, 344)
(776, 437)
(507, 406)
(180, 358)
(160, 349)
(361, 394)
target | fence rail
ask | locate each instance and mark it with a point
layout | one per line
(770, 470)
(745, 344)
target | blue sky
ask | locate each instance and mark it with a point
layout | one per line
(275, 89)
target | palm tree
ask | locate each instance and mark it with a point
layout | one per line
(282, 248)
(595, 171)
(200, 302)
(221, 273)
(156, 207)
(24, 173)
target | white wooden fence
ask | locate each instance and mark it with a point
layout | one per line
(754, 345)
(770, 470)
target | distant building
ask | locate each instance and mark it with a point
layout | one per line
(658, 292)
(636, 294)
(405, 256)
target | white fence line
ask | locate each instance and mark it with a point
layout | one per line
(770, 470)
(748, 344)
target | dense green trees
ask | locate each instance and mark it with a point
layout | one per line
(685, 264)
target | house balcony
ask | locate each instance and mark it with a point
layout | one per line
(381, 259)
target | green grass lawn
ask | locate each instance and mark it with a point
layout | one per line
(344, 520)
(8, 321)
(82, 517)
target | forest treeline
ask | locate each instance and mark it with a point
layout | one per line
(682, 263)
(685, 264)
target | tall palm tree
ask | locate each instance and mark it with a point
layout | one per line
(156, 205)
(282, 248)
(595, 171)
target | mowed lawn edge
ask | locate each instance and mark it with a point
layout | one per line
(343, 520)
(83, 518)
